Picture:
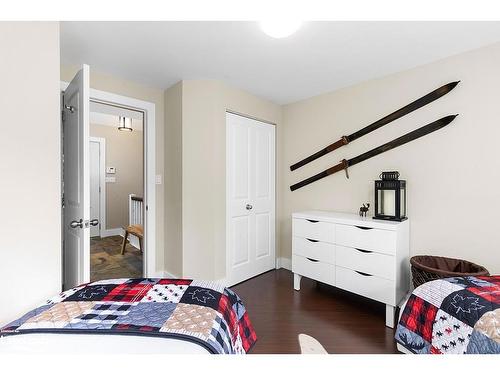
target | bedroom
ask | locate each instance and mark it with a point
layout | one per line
(228, 109)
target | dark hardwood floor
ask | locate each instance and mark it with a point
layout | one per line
(342, 322)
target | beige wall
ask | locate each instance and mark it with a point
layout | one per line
(125, 152)
(124, 87)
(453, 175)
(204, 105)
(173, 180)
(30, 194)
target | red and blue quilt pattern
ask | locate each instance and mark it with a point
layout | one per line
(199, 311)
(459, 315)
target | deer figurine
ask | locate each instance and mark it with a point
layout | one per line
(364, 209)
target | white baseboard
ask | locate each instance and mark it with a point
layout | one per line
(112, 232)
(284, 263)
(166, 275)
(133, 240)
(280, 263)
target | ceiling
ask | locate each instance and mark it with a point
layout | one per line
(320, 57)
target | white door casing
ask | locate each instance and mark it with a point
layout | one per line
(76, 251)
(97, 184)
(250, 190)
(94, 185)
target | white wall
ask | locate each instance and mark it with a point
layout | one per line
(173, 180)
(453, 174)
(30, 195)
(124, 151)
(204, 106)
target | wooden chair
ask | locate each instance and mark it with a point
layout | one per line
(136, 230)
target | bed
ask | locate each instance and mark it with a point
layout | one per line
(167, 316)
(459, 315)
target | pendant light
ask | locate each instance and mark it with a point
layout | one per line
(125, 124)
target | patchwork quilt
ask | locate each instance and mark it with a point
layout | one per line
(459, 315)
(199, 311)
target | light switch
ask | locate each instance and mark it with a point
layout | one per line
(110, 170)
(159, 179)
(110, 179)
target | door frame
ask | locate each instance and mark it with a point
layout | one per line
(102, 182)
(228, 280)
(149, 170)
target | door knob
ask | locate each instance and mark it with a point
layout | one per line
(76, 224)
(249, 207)
(94, 222)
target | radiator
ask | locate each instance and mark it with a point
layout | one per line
(135, 210)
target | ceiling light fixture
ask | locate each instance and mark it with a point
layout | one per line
(125, 124)
(280, 28)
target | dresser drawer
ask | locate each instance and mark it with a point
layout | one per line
(373, 287)
(314, 230)
(314, 249)
(316, 270)
(364, 238)
(376, 264)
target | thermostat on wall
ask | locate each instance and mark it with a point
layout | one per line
(110, 170)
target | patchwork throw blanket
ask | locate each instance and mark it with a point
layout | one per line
(199, 311)
(456, 315)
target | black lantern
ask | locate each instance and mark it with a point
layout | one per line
(390, 197)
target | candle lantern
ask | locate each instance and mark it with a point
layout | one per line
(390, 197)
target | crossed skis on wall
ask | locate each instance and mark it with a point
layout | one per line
(420, 132)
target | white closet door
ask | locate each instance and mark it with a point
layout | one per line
(250, 174)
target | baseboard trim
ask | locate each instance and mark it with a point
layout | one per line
(166, 275)
(280, 263)
(284, 263)
(112, 232)
(132, 240)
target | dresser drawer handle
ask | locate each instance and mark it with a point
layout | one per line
(312, 240)
(363, 251)
(312, 260)
(363, 273)
(364, 228)
(312, 221)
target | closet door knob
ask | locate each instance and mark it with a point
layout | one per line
(249, 207)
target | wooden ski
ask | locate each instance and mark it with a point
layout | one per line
(419, 103)
(344, 164)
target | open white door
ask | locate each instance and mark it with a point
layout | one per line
(250, 169)
(76, 198)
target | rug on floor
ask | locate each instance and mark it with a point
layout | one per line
(309, 345)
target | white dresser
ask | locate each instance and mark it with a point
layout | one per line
(361, 255)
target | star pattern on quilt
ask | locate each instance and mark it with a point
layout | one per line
(466, 320)
(165, 293)
(201, 296)
(200, 311)
(63, 295)
(466, 304)
(91, 293)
